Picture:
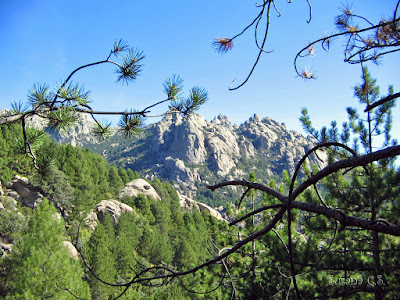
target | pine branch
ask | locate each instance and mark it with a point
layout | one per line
(382, 101)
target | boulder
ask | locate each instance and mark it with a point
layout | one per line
(192, 204)
(13, 195)
(123, 207)
(21, 180)
(137, 187)
(72, 252)
(91, 220)
(112, 207)
(108, 207)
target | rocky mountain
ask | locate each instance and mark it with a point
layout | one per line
(194, 152)
(77, 135)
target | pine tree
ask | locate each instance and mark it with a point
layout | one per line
(366, 257)
(102, 260)
(41, 266)
(132, 175)
(116, 183)
(123, 174)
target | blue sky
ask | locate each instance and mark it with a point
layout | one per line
(43, 41)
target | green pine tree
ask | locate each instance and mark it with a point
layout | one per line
(116, 183)
(102, 260)
(40, 264)
(370, 192)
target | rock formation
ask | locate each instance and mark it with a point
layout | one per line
(139, 186)
(72, 252)
(193, 152)
(77, 135)
(21, 190)
(190, 204)
(112, 207)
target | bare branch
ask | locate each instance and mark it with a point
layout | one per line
(249, 184)
(72, 74)
(259, 53)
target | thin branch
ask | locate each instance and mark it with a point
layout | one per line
(382, 101)
(227, 271)
(254, 212)
(324, 39)
(71, 293)
(207, 292)
(277, 10)
(259, 53)
(155, 104)
(249, 184)
(244, 195)
(310, 11)
(72, 74)
(280, 238)
(251, 24)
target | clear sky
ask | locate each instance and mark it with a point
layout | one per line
(42, 41)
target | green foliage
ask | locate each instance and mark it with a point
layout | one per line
(123, 175)
(132, 175)
(89, 174)
(62, 119)
(116, 183)
(370, 192)
(56, 187)
(130, 125)
(101, 259)
(11, 160)
(12, 223)
(40, 264)
(173, 89)
(143, 206)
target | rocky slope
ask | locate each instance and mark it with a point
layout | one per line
(77, 135)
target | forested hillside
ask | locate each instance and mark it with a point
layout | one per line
(157, 232)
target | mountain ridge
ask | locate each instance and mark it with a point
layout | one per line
(193, 151)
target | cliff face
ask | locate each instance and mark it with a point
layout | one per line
(196, 141)
(193, 150)
(78, 134)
